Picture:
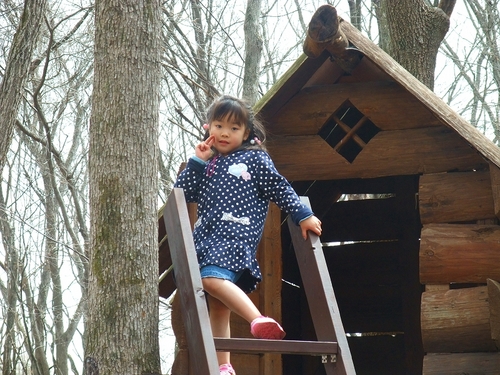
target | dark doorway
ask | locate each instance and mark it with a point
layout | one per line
(371, 231)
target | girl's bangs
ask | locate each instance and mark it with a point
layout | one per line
(231, 109)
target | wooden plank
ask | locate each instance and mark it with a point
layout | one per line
(385, 103)
(389, 153)
(260, 346)
(269, 292)
(429, 99)
(189, 285)
(460, 253)
(494, 303)
(495, 187)
(457, 320)
(462, 363)
(455, 197)
(321, 297)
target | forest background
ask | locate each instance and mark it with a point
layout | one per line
(47, 76)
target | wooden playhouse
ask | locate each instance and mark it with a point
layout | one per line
(409, 196)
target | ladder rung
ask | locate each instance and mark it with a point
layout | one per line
(241, 345)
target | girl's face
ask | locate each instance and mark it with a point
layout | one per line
(229, 135)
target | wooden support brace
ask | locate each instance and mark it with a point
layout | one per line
(189, 286)
(320, 296)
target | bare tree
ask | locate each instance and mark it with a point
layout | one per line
(41, 207)
(122, 315)
(13, 80)
(16, 71)
(474, 91)
(253, 51)
(415, 32)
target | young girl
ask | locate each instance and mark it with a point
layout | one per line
(232, 178)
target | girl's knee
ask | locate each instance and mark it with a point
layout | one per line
(211, 284)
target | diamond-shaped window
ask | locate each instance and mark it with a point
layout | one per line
(348, 131)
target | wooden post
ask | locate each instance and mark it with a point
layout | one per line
(495, 187)
(269, 255)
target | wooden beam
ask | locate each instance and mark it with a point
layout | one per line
(411, 289)
(324, 34)
(385, 103)
(457, 320)
(461, 363)
(460, 253)
(389, 153)
(494, 299)
(495, 187)
(455, 197)
(261, 346)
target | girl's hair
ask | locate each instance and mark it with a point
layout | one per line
(241, 112)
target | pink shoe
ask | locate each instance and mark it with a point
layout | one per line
(226, 369)
(264, 327)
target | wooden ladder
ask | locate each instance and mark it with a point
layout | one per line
(332, 342)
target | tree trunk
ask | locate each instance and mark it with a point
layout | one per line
(355, 13)
(253, 52)
(122, 322)
(12, 263)
(16, 71)
(415, 32)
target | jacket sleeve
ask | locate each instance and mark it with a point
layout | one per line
(275, 187)
(190, 178)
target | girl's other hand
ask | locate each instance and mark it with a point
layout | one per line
(204, 149)
(311, 223)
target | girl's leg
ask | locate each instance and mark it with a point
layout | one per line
(219, 321)
(238, 301)
(231, 296)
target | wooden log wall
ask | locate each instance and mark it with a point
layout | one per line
(460, 254)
